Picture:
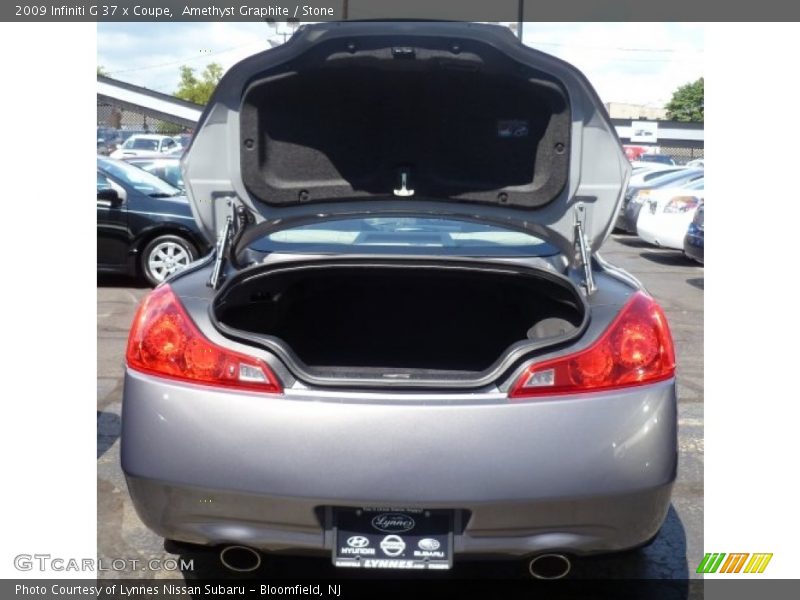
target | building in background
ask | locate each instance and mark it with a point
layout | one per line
(624, 110)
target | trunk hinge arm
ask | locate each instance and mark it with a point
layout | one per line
(235, 223)
(582, 249)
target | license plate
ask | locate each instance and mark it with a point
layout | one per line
(371, 538)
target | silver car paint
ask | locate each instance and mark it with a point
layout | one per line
(584, 473)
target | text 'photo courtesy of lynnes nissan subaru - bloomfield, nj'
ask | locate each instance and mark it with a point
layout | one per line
(404, 350)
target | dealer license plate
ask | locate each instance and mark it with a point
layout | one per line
(377, 538)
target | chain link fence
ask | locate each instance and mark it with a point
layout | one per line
(115, 124)
(682, 154)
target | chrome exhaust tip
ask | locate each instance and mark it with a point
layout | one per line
(240, 558)
(549, 566)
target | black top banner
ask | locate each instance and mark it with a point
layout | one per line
(459, 10)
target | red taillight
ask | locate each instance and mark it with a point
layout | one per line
(635, 349)
(164, 341)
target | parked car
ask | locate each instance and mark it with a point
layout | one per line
(641, 175)
(108, 139)
(639, 191)
(634, 152)
(126, 133)
(145, 145)
(167, 168)
(394, 357)
(644, 172)
(144, 225)
(656, 158)
(176, 152)
(694, 242)
(183, 139)
(653, 169)
(698, 162)
(666, 214)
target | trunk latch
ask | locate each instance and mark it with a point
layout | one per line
(404, 190)
(583, 251)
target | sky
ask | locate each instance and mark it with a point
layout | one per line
(639, 63)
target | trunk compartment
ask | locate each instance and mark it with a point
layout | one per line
(387, 318)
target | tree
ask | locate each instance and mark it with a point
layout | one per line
(687, 103)
(101, 70)
(198, 90)
(166, 128)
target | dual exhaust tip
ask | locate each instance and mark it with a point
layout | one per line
(243, 559)
(549, 566)
(240, 559)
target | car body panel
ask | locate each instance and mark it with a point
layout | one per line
(597, 170)
(113, 233)
(650, 171)
(151, 144)
(305, 451)
(663, 229)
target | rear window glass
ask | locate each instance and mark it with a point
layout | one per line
(141, 144)
(406, 235)
(676, 177)
(655, 174)
(137, 178)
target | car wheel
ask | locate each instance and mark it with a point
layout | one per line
(165, 255)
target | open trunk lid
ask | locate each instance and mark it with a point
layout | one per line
(375, 118)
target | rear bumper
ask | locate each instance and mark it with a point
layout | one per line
(629, 217)
(579, 474)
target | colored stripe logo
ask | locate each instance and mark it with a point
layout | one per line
(719, 562)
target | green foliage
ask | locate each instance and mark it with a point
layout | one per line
(165, 128)
(198, 89)
(101, 70)
(687, 103)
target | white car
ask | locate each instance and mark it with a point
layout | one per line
(665, 216)
(145, 145)
(698, 162)
(644, 172)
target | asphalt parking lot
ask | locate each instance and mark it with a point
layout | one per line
(674, 280)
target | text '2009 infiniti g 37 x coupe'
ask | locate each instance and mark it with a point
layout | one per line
(405, 348)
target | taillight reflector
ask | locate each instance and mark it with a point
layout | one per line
(636, 349)
(164, 341)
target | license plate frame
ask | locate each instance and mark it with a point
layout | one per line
(393, 539)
